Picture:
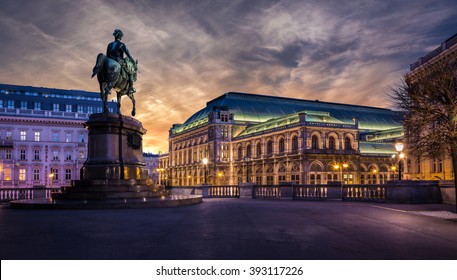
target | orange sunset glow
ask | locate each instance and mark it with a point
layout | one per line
(190, 52)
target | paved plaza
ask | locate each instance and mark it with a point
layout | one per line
(234, 229)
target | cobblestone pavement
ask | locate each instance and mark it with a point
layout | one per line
(234, 229)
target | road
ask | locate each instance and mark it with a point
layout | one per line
(232, 229)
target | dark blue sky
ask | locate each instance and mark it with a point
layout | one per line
(192, 51)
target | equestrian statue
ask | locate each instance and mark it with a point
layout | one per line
(116, 72)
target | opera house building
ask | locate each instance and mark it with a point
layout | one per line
(241, 138)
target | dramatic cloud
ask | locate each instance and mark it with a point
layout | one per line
(192, 51)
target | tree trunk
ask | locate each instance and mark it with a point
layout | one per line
(454, 166)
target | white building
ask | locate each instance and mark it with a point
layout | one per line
(42, 137)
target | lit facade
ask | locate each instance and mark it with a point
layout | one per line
(418, 168)
(249, 138)
(42, 137)
(152, 165)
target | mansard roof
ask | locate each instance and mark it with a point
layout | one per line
(376, 149)
(312, 117)
(18, 88)
(255, 108)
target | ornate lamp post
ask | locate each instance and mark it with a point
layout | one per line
(399, 147)
(51, 176)
(219, 175)
(205, 163)
(340, 167)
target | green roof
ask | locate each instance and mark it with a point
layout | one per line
(373, 148)
(310, 116)
(255, 108)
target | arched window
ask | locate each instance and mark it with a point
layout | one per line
(281, 145)
(248, 151)
(258, 149)
(294, 143)
(331, 143)
(314, 142)
(240, 153)
(347, 143)
(269, 147)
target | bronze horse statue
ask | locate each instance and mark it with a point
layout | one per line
(110, 75)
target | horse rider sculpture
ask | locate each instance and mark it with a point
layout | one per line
(116, 51)
(116, 72)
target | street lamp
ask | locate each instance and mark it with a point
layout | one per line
(205, 163)
(399, 147)
(340, 167)
(219, 175)
(51, 176)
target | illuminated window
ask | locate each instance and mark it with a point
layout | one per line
(68, 108)
(68, 137)
(90, 110)
(55, 171)
(10, 104)
(23, 135)
(22, 174)
(23, 104)
(80, 109)
(55, 107)
(37, 136)
(7, 174)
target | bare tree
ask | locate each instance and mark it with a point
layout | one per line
(428, 98)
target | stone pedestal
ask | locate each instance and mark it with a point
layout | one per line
(115, 149)
(114, 168)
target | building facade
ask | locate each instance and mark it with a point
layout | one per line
(440, 168)
(42, 137)
(152, 165)
(247, 138)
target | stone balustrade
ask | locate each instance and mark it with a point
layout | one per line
(393, 192)
(8, 194)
